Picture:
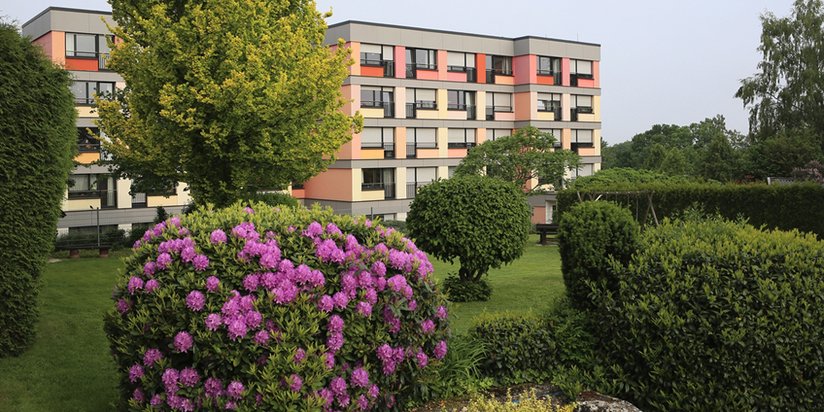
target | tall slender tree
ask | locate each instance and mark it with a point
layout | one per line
(229, 96)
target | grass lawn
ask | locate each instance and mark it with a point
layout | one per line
(69, 367)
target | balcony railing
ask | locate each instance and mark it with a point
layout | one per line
(412, 188)
(412, 149)
(387, 106)
(388, 65)
(460, 145)
(412, 108)
(388, 149)
(573, 78)
(575, 111)
(107, 197)
(88, 147)
(491, 110)
(388, 189)
(102, 59)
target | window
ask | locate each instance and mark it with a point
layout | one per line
(581, 138)
(549, 102)
(493, 134)
(461, 138)
(84, 92)
(586, 169)
(460, 62)
(497, 102)
(93, 186)
(580, 104)
(379, 179)
(501, 65)
(422, 98)
(422, 59)
(87, 142)
(549, 66)
(379, 98)
(89, 46)
(378, 56)
(417, 177)
(556, 133)
(379, 138)
(460, 99)
(420, 138)
(580, 68)
(451, 171)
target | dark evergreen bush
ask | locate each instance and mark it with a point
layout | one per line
(716, 315)
(39, 139)
(275, 199)
(481, 221)
(590, 235)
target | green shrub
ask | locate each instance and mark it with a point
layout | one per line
(623, 177)
(591, 235)
(481, 221)
(136, 233)
(161, 215)
(398, 225)
(39, 139)
(275, 199)
(786, 207)
(112, 238)
(716, 315)
(458, 374)
(275, 309)
(466, 290)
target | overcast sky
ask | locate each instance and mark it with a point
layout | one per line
(662, 61)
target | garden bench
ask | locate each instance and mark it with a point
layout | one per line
(545, 229)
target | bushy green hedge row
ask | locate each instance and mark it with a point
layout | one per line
(115, 238)
(786, 207)
(591, 235)
(717, 315)
(39, 139)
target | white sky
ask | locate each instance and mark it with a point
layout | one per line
(662, 61)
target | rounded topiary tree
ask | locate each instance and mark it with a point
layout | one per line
(274, 309)
(39, 140)
(481, 221)
(590, 235)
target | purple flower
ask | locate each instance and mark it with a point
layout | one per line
(163, 261)
(200, 262)
(189, 377)
(151, 285)
(412, 305)
(174, 221)
(135, 372)
(364, 309)
(300, 354)
(329, 360)
(296, 384)
(213, 387)
(270, 259)
(371, 296)
(423, 360)
(135, 283)
(363, 403)
(327, 396)
(313, 230)
(249, 210)
(251, 282)
(335, 324)
(149, 268)
(396, 283)
(213, 321)
(326, 303)
(328, 251)
(212, 283)
(195, 300)
(334, 342)
(360, 378)
(218, 236)
(183, 341)
(156, 400)
(138, 396)
(440, 350)
(187, 254)
(343, 400)
(341, 300)
(169, 378)
(441, 313)
(262, 337)
(427, 326)
(374, 391)
(234, 390)
(151, 356)
(379, 268)
(338, 385)
(122, 306)
(237, 328)
(253, 319)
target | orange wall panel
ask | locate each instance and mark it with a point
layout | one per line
(81, 64)
(524, 106)
(333, 184)
(565, 71)
(457, 153)
(480, 63)
(442, 66)
(456, 76)
(427, 154)
(373, 71)
(424, 74)
(538, 215)
(549, 80)
(586, 82)
(596, 73)
(509, 80)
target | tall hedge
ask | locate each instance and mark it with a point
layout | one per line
(591, 235)
(716, 315)
(786, 207)
(38, 142)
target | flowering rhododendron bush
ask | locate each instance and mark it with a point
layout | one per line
(273, 309)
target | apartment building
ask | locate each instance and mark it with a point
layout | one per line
(428, 96)
(77, 40)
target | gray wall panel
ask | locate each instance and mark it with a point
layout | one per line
(113, 216)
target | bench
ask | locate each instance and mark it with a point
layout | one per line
(545, 229)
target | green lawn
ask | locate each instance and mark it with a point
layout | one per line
(69, 367)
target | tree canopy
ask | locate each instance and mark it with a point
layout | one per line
(228, 96)
(527, 154)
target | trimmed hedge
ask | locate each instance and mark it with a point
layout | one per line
(591, 235)
(39, 139)
(716, 315)
(112, 238)
(786, 207)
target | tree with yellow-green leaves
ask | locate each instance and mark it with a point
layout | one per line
(229, 96)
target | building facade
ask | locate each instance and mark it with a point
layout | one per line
(77, 40)
(427, 96)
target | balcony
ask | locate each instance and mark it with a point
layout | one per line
(412, 69)
(491, 110)
(387, 188)
(108, 198)
(460, 145)
(575, 111)
(412, 108)
(387, 65)
(412, 188)
(471, 72)
(387, 106)
(574, 77)
(388, 149)
(412, 149)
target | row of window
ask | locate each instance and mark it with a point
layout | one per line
(427, 59)
(426, 99)
(457, 138)
(85, 91)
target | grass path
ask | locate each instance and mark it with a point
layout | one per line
(69, 367)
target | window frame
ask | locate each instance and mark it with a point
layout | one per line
(89, 99)
(552, 107)
(377, 104)
(466, 144)
(551, 60)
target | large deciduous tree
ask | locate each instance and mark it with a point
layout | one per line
(527, 154)
(228, 96)
(39, 139)
(787, 92)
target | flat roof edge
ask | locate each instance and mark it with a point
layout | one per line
(55, 8)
